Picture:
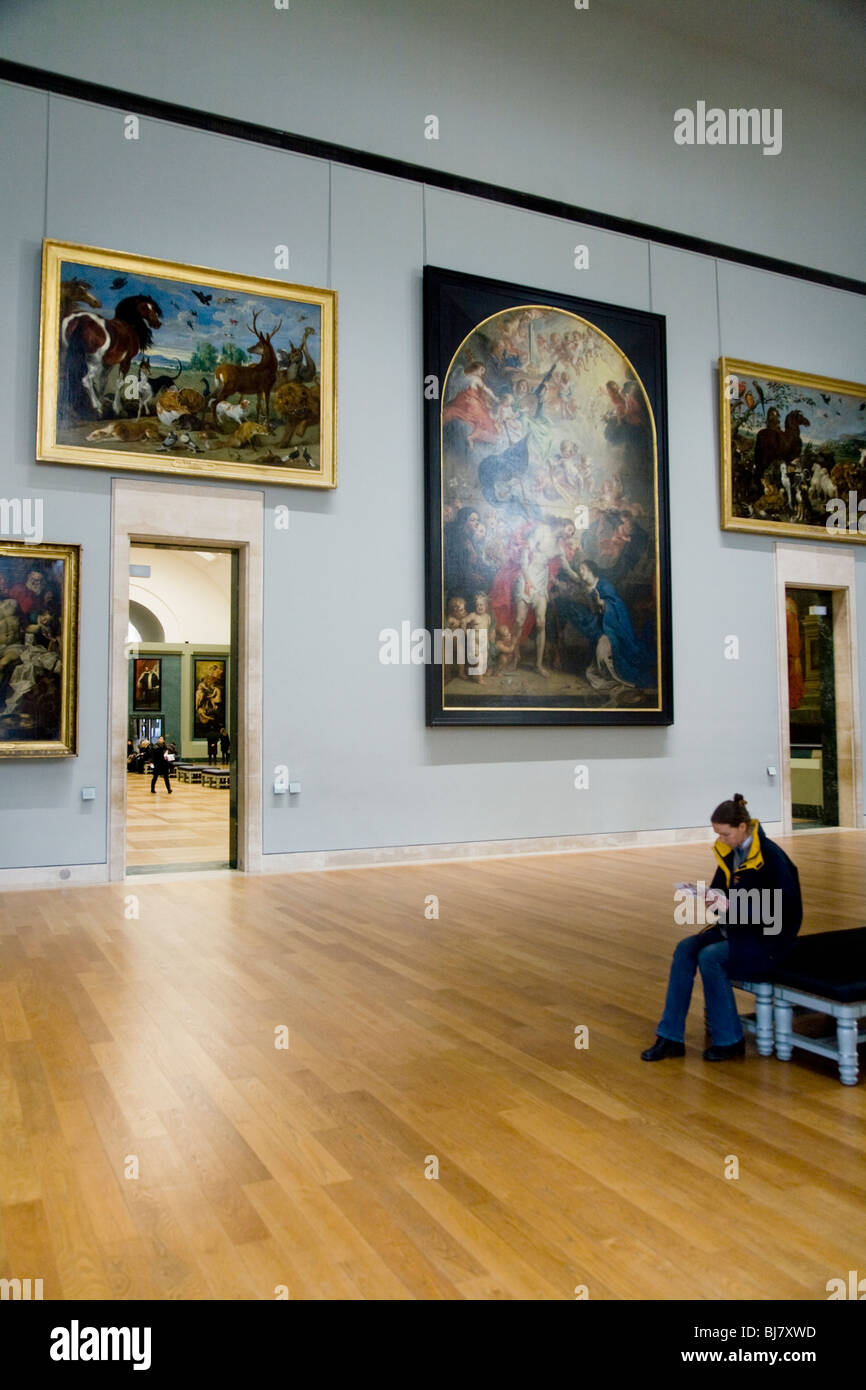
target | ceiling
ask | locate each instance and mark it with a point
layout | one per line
(821, 41)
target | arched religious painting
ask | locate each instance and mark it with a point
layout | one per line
(548, 593)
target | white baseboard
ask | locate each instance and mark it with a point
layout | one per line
(54, 876)
(313, 860)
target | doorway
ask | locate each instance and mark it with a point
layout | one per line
(812, 708)
(181, 802)
(819, 685)
(202, 518)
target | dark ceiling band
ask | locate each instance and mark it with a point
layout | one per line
(132, 102)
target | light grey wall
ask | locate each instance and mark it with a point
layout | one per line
(42, 817)
(351, 563)
(566, 103)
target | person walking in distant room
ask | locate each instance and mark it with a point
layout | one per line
(225, 745)
(212, 745)
(754, 933)
(162, 759)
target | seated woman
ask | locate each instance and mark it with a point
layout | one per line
(754, 934)
(142, 757)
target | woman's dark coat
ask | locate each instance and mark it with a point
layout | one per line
(759, 944)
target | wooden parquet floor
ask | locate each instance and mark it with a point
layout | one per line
(139, 1024)
(189, 827)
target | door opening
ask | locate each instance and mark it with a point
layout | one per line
(182, 737)
(812, 743)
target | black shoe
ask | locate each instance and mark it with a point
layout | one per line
(663, 1047)
(724, 1054)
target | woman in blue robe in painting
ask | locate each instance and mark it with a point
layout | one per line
(619, 657)
(466, 572)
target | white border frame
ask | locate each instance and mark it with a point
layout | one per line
(167, 513)
(823, 567)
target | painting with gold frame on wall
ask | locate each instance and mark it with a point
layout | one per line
(793, 453)
(160, 367)
(39, 586)
(146, 684)
(209, 707)
(548, 571)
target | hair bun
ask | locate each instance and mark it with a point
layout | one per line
(733, 812)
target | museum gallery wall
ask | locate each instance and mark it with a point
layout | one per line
(352, 561)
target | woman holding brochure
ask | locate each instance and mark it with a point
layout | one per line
(755, 894)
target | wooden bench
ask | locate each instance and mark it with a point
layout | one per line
(206, 776)
(824, 974)
(212, 777)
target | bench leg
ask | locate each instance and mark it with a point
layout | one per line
(846, 1036)
(784, 1015)
(764, 1019)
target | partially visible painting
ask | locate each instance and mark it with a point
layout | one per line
(39, 587)
(548, 595)
(155, 366)
(147, 683)
(209, 702)
(793, 453)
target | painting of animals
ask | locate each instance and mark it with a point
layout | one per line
(156, 366)
(548, 595)
(793, 453)
(39, 587)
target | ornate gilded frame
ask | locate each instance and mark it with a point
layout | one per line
(747, 392)
(66, 745)
(195, 284)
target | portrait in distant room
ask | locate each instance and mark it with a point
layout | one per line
(147, 683)
(793, 453)
(38, 649)
(154, 366)
(547, 509)
(209, 709)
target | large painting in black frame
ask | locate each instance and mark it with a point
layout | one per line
(547, 508)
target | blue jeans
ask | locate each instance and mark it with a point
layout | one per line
(708, 952)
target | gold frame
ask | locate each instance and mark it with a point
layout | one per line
(48, 450)
(732, 366)
(67, 745)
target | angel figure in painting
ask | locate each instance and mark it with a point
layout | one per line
(474, 403)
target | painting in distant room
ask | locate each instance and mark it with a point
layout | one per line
(38, 649)
(209, 712)
(147, 683)
(548, 573)
(793, 453)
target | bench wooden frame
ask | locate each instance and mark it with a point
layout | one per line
(206, 776)
(772, 1025)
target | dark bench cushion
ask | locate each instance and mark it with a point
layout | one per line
(830, 963)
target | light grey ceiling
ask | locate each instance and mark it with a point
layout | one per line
(821, 41)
